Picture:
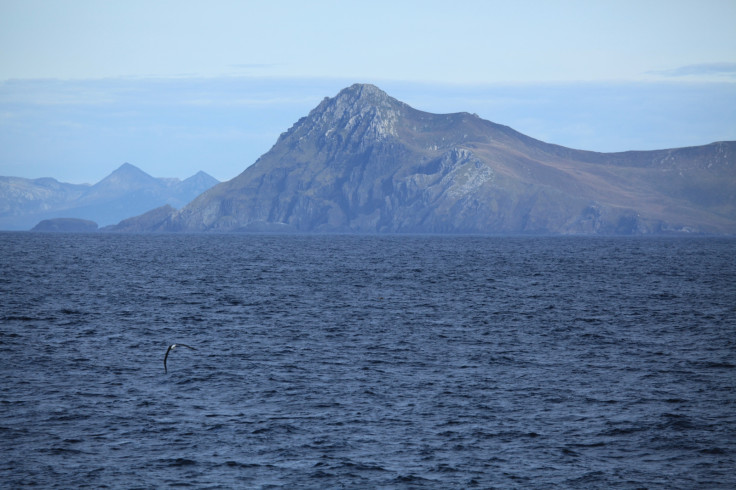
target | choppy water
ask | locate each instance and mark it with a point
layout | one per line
(373, 362)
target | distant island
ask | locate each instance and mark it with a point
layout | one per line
(66, 225)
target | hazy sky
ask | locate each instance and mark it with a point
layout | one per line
(178, 86)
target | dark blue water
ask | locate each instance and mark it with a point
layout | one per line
(367, 362)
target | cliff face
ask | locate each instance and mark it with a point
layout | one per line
(364, 162)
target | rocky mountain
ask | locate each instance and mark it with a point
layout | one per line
(128, 191)
(364, 162)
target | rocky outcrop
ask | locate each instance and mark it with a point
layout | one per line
(363, 162)
(155, 219)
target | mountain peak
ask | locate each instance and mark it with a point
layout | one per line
(360, 99)
(202, 175)
(201, 180)
(126, 176)
(365, 93)
(358, 115)
(128, 167)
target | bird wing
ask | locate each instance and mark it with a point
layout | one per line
(167, 356)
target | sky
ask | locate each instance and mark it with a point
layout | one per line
(175, 87)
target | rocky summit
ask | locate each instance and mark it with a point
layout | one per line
(364, 162)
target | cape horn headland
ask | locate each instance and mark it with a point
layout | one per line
(364, 162)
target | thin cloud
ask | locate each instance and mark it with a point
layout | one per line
(702, 69)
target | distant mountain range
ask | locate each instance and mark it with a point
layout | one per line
(126, 192)
(364, 162)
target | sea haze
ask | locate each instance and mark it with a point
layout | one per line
(376, 362)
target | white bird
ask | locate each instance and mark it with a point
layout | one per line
(172, 347)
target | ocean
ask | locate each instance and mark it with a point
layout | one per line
(367, 361)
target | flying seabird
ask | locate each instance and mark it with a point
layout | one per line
(172, 347)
